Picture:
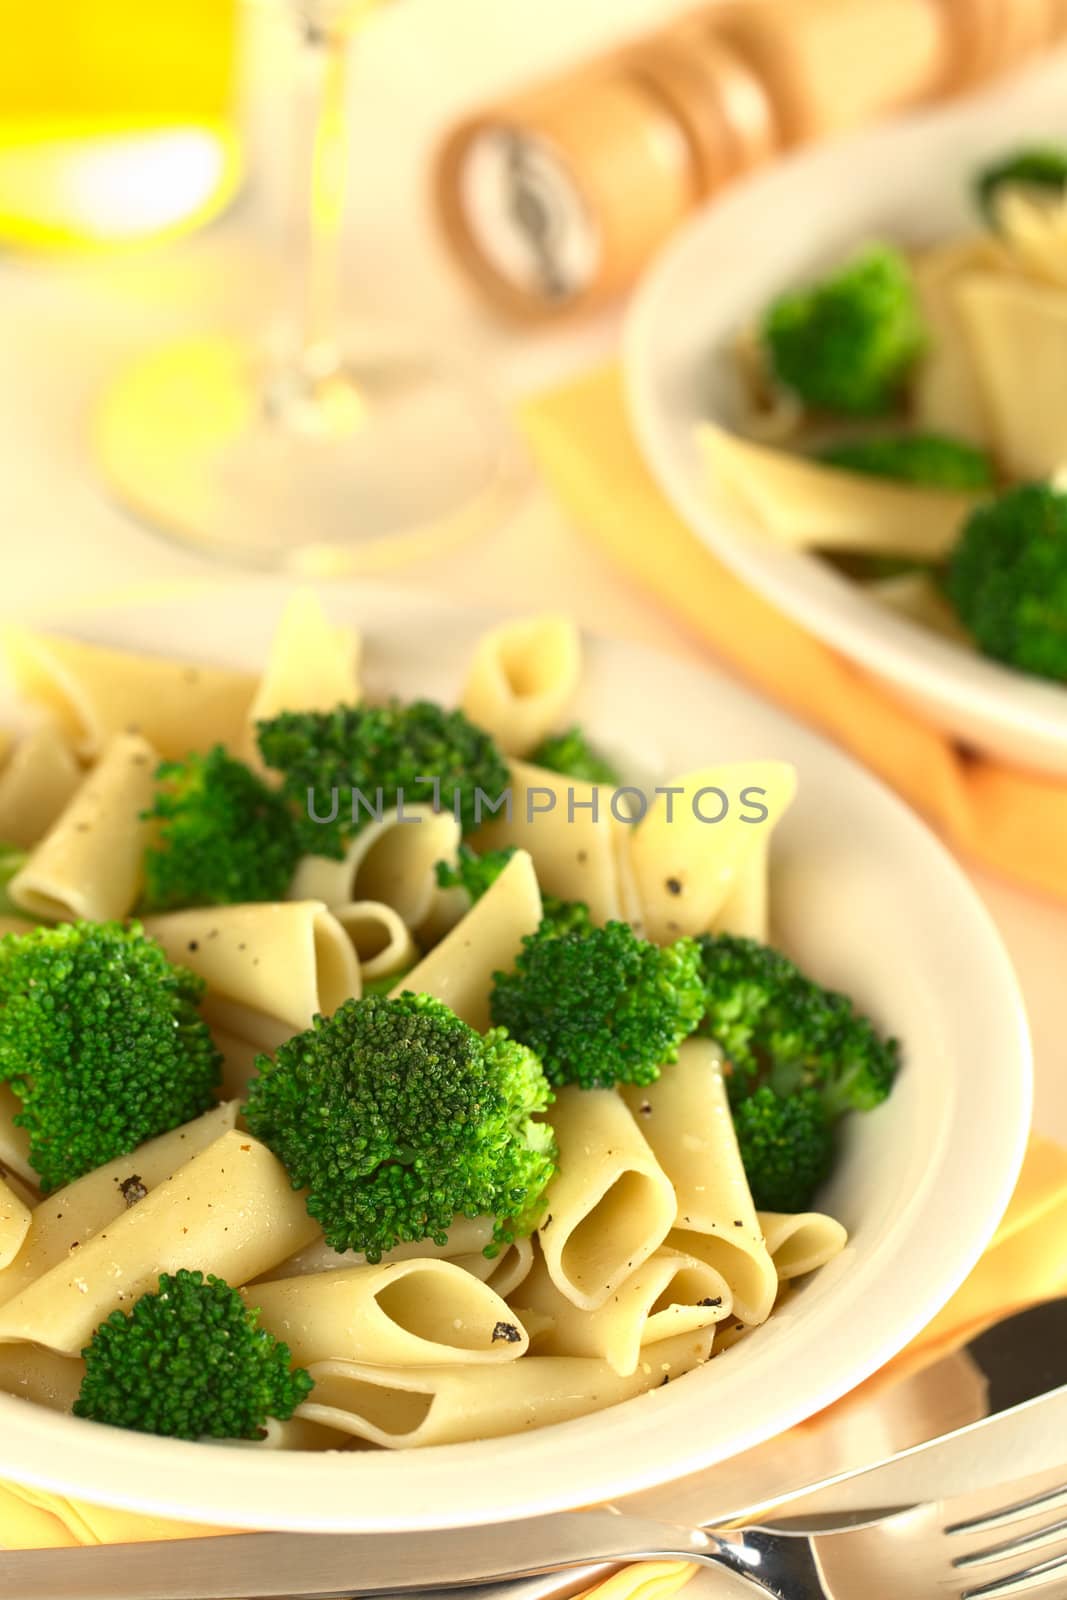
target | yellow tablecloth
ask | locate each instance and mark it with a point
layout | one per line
(1014, 823)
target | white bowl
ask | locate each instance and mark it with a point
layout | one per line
(868, 900)
(908, 181)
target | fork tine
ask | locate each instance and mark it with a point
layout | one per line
(1011, 1547)
(1010, 1513)
(1016, 1582)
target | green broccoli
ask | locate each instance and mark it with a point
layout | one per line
(224, 837)
(563, 916)
(848, 344)
(931, 459)
(473, 872)
(1035, 167)
(189, 1361)
(12, 860)
(571, 754)
(786, 1146)
(397, 1116)
(338, 761)
(101, 1041)
(779, 1027)
(599, 1005)
(1007, 579)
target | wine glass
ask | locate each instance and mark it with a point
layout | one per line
(337, 452)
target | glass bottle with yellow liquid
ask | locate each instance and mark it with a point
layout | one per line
(346, 447)
(117, 120)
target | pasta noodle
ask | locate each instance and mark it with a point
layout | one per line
(1032, 227)
(745, 912)
(460, 969)
(572, 846)
(96, 693)
(685, 1116)
(945, 393)
(391, 861)
(380, 937)
(916, 596)
(695, 840)
(287, 960)
(466, 1236)
(802, 1242)
(767, 411)
(668, 1294)
(609, 1206)
(231, 1210)
(1018, 335)
(398, 1313)
(504, 1272)
(36, 784)
(43, 1376)
(81, 1209)
(401, 1407)
(90, 863)
(521, 679)
(14, 1141)
(14, 1223)
(806, 505)
(312, 666)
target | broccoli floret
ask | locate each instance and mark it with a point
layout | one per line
(12, 860)
(189, 1361)
(563, 916)
(776, 1025)
(1039, 167)
(473, 872)
(932, 459)
(397, 1116)
(224, 837)
(847, 344)
(787, 1147)
(599, 1005)
(419, 751)
(101, 1041)
(571, 754)
(1007, 579)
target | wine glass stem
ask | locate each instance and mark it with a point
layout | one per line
(327, 32)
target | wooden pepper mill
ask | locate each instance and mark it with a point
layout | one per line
(554, 200)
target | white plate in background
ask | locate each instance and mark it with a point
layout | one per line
(910, 182)
(866, 898)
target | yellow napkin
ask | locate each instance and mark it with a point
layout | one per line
(1026, 1262)
(1014, 823)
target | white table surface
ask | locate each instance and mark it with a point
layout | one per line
(65, 326)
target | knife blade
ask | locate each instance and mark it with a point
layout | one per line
(1015, 1427)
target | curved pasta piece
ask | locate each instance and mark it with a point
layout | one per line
(14, 1141)
(466, 1236)
(418, 1313)
(522, 677)
(81, 1209)
(766, 411)
(504, 1272)
(15, 1218)
(695, 840)
(287, 960)
(403, 1407)
(460, 969)
(685, 1116)
(573, 845)
(90, 863)
(36, 785)
(745, 912)
(96, 693)
(1018, 336)
(231, 1210)
(380, 937)
(944, 393)
(916, 596)
(391, 860)
(609, 1206)
(808, 506)
(668, 1294)
(43, 1376)
(1032, 229)
(239, 1057)
(801, 1242)
(313, 664)
(295, 1433)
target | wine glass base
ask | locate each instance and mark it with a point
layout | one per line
(384, 458)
